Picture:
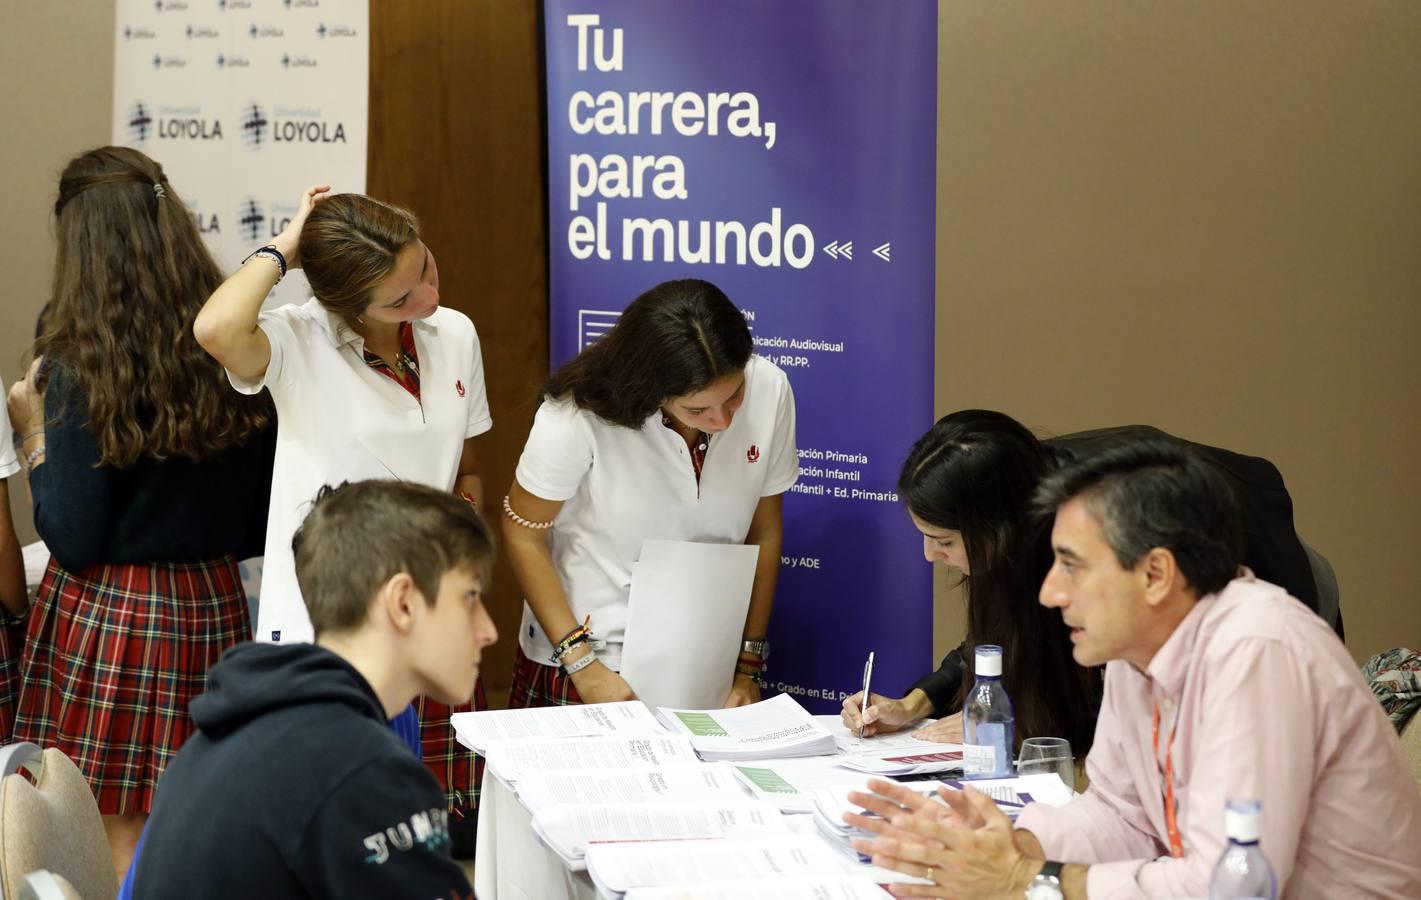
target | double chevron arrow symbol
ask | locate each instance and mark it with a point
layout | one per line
(845, 250)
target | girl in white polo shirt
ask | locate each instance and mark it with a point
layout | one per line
(371, 379)
(668, 427)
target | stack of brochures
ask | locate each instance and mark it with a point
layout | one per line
(477, 730)
(778, 728)
(568, 830)
(732, 867)
(1011, 796)
(510, 761)
(830, 805)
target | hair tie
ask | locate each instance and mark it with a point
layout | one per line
(159, 191)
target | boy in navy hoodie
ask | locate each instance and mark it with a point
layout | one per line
(295, 785)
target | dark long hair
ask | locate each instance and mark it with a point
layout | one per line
(130, 274)
(975, 472)
(673, 340)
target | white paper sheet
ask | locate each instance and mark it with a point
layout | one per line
(790, 783)
(709, 783)
(568, 830)
(775, 728)
(476, 730)
(511, 760)
(817, 889)
(685, 621)
(617, 868)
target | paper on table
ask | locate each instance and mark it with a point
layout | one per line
(617, 868)
(511, 760)
(816, 889)
(569, 830)
(476, 730)
(790, 784)
(1014, 793)
(686, 595)
(775, 728)
(669, 784)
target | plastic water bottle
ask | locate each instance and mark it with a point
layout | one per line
(987, 720)
(1243, 873)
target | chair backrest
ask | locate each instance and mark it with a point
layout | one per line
(45, 885)
(1411, 742)
(1329, 595)
(52, 824)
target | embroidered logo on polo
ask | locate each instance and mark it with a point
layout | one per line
(753, 454)
(276, 636)
(459, 386)
(426, 829)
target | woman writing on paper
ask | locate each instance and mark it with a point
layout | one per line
(968, 485)
(668, 427)
(372, 378)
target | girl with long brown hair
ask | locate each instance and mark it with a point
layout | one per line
(372, 378)
(149, 483)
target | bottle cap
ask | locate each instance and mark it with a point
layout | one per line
(989, 660)
(1243, 821)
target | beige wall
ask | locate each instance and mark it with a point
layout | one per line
(58, 65)
(1205, 216)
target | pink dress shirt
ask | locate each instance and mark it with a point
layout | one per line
(1269, 705)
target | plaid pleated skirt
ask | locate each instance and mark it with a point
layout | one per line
(12, 643)
(113, 656)
(455, 767)
(539, 685)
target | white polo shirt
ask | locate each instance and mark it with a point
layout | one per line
(622, 485)
(338, 419)
(9, 459)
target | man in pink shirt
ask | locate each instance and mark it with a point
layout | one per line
(1217, 686)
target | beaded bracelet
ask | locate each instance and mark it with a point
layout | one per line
(34, 454)
(519, 520)
(579, 635)
(575, 667)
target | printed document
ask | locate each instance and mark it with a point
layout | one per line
(476, 730)
(774, 728)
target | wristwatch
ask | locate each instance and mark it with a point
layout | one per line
(758, 646)
(1047, 884)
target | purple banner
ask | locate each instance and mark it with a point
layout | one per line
(786, 152)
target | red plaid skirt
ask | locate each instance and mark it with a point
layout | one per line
(535, 684)
(113, 655)
(454, 765)
(12, 643)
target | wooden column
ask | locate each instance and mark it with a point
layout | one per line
(456, 135)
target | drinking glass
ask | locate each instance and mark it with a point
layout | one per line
(1047, 755)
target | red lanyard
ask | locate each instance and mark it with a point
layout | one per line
(1171, 823)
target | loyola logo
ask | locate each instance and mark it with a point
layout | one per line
(250, 220)
(253, 126)
(140, 123)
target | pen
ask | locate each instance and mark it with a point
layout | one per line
(867, 678)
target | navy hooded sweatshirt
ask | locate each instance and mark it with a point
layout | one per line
(295, 786)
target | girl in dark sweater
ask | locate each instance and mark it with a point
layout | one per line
(150, 480)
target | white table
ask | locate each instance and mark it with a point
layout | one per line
(510, 863)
